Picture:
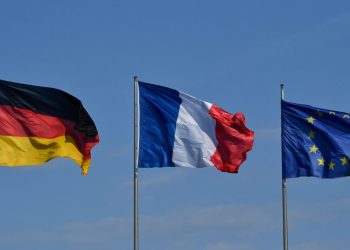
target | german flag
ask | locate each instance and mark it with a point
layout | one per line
(38, 124)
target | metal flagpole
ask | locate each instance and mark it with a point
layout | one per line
(136, 154)
(284, 198)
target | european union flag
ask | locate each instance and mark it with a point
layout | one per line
(315, 142)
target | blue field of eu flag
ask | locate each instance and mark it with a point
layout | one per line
(315, 142)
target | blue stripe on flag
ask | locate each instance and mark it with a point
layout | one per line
(159, 109)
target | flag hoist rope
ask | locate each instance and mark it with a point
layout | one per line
(136, 155)
(284, 194)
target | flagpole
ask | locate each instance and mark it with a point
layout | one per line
(284, 198)
(136, 153)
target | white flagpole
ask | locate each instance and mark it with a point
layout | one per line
(284, 198)
(136, 155)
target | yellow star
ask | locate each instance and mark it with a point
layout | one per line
(313, 149)
(344, 161)
(311, 120)
(346, 116)
(331, 165)
(319, 113)
(311, 134)
(332, 113)
(320, 161)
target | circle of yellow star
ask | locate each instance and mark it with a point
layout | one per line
(311, 134)
(313, 149)
(311, 120)
(320, 162)
(331, 165)
(344, 161)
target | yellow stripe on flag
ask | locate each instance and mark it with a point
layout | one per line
(22, 151)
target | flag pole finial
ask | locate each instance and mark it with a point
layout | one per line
(136, 153)
(284, 196)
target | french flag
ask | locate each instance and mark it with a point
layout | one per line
(176, 129)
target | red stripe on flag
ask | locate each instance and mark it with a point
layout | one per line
(26, 123)
(234, 140)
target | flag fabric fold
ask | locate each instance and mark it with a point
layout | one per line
(177, 129)
(315, 141)
(38, 124)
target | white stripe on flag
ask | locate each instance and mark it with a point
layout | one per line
(195, 140)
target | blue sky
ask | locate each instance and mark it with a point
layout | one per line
(231, 53)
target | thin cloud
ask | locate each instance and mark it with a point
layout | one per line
(319, 211)
(313, 246)
(228, 246)
(233, 221)
(97, 232)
